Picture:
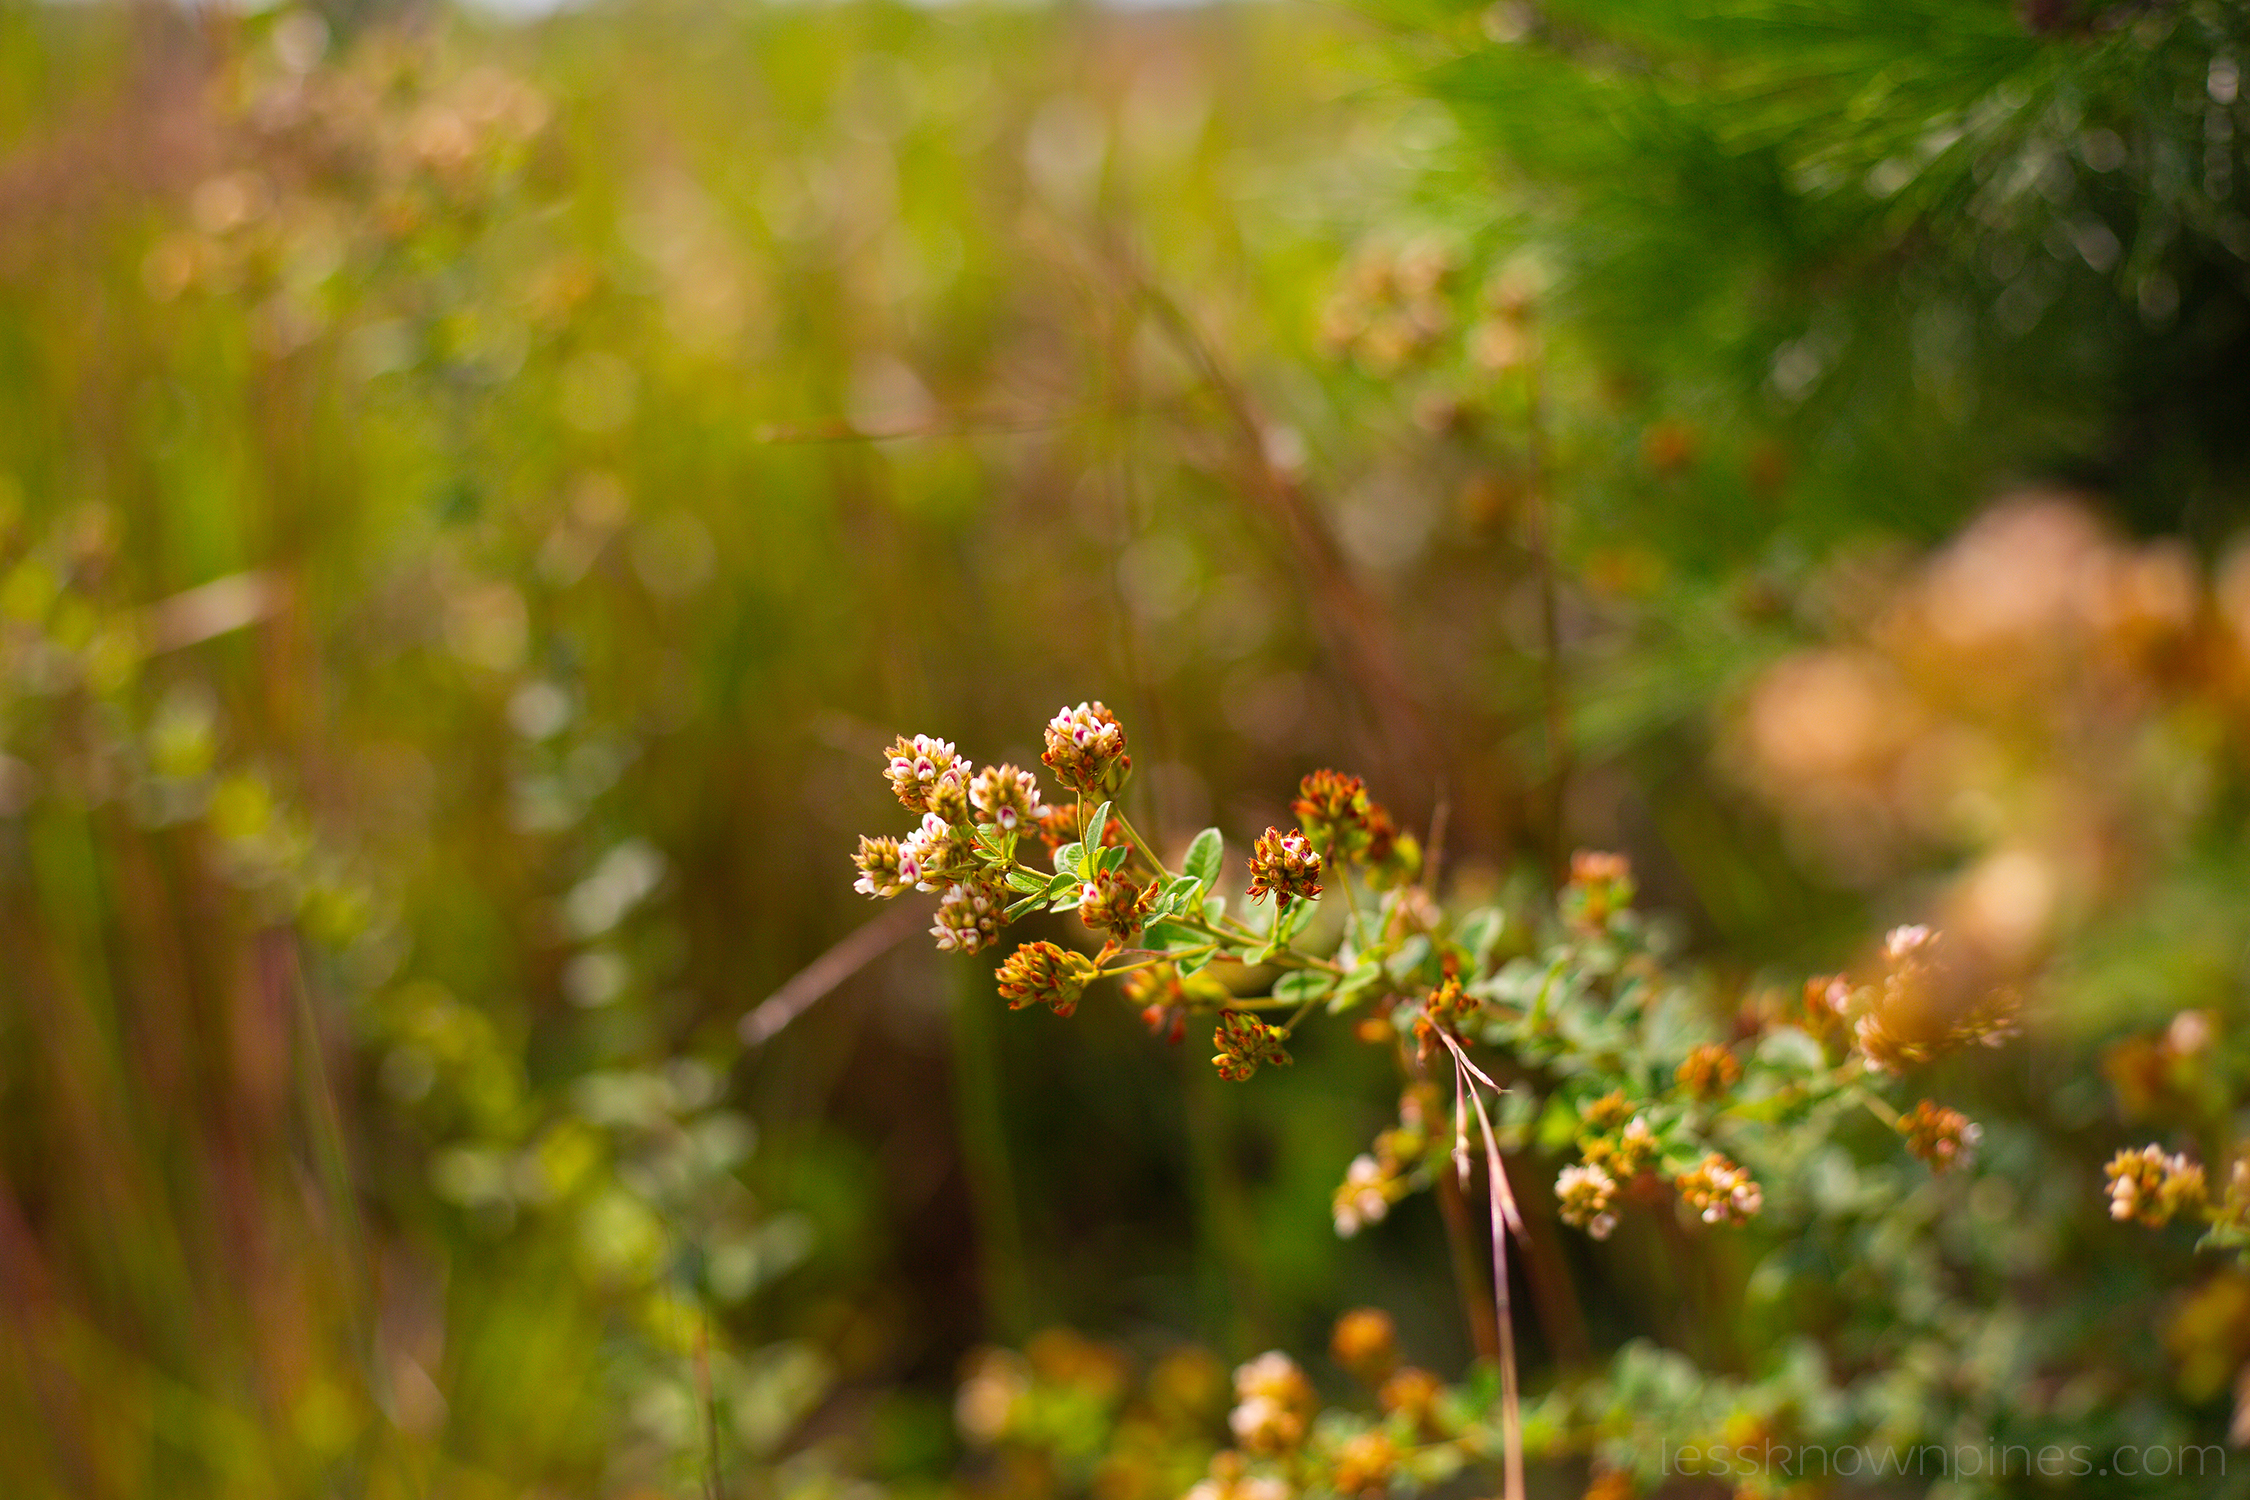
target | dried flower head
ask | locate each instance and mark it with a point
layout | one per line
(2149, 1186)
(1945, 1138)
(1710, 1070)
(1113, 903)
(1244, 1042)
(970, 916)
(914, 766)
(1586, 1198)
(1365, 1342)
(1006, 796)
(1272, 1401)
(1046, 974)
(879, 875)
(1720, 1192)
(1086, 750)
(1284, 864)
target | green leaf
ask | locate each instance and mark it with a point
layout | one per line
(1409, 957)
(1113, 858)
(1303, 985)
(1194, 962)
(989, 836)
(1166, 935)
(1097, 825)
(1067, 857)
(1025, 881)
(1204, 857)
(1214, 908)
(1292, 921)
(1017, 909)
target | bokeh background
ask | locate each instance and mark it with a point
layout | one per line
(478, 492)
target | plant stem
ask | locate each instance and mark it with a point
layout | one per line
(1133, 836)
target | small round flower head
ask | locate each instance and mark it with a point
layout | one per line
(1607, 1113)
(1710, 1070)
(878, 868)
(1586, 1197)
(914, 765)
(1284, 864)
(936, 855)
(1364, 1463)
(1112, 903)
(1244, 1042)
(1625, 1155)
(1333, 809)
(2149, 1186)
(1720, 1191)
(1006, 796)
(1410, 1393)
(949, 795)
(1045, 974)
(1366, 1343)
(1601, 885)
(969, 916)
(1945, 1138)
(1365, 1196)
(1272, 1398)
(1086, 750)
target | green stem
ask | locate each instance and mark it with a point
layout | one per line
(1133, 837)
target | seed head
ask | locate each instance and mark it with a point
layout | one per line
(1086, 750)
(1284, 864)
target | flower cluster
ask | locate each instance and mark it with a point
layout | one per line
(914, 767)
(1086, 750)
(1114, 903)
(1244, 1042)
(1945, 1138)
(1285, 865)
(1273, 1402)
(2150, 1187)
(1601, 886)
(1720, 1192)
(1586, 1198)
(969, 915)
(1007, 798)
(1710, 1070)
(1344, 824)
(1045, 974)
(1624, 1153)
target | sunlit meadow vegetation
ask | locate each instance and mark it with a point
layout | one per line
(1753, 488)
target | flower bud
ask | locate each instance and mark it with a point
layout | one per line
(1244, 1042)
(1006, 796)
(970, 915)
(879, 875)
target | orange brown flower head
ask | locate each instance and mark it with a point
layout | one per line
(1364, 1463)
(1086, 750)
(1113, 903)
(1945, 1138)
(1607, 1113)
(1720, 1192)
(1411, 1393)
(1007, 797)
(1586, 1198)
(1366, 1343)
(970, 915)
(1601, 886)
(1285, 865)
(1045, 974)
(2149, 1186)
(914, 766)
(1273, 1401)
(877, 860)
(1334, 810)
(1244, 1042)
(1710, 1070)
